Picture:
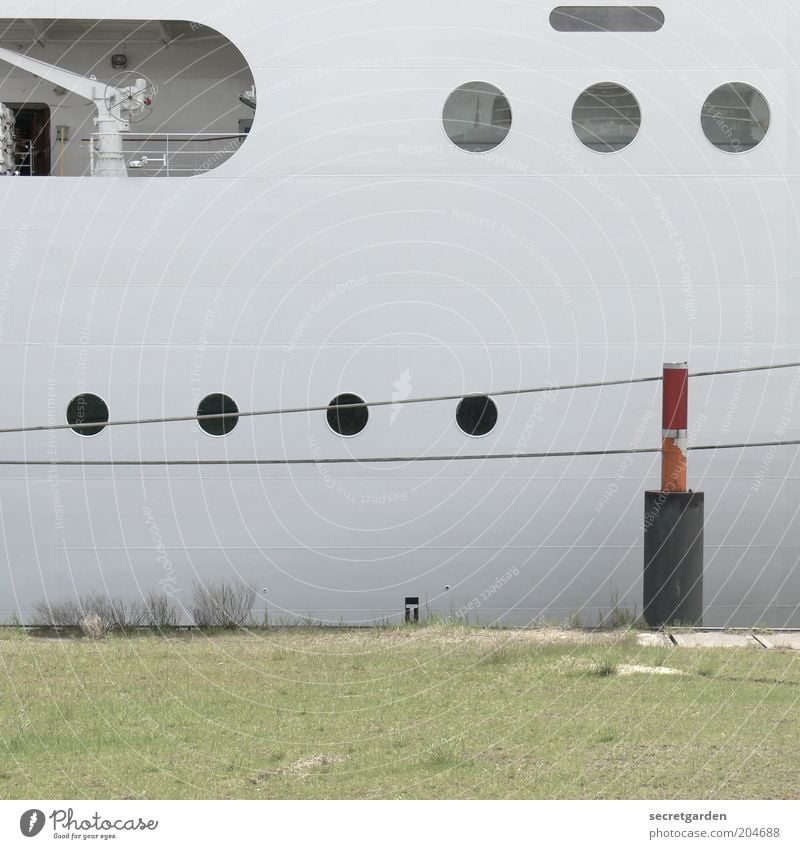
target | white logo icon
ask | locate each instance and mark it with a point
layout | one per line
(402, 391)
(31, 822)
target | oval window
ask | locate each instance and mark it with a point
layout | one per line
(735, 117)
(477, 117)
(215, 405)
(476, 415)
(173, 98)
(347, 420)
(607, 19)
(87, 409)
(606, 117)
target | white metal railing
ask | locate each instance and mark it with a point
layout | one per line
(171, 154)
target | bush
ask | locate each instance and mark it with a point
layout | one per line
(62, 614)
(160, 612)
(114, 612)
(605, 666)
(94, 626)
(618, 617)
(223, 604)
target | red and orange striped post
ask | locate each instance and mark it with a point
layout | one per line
(673, 519)
(675, 424)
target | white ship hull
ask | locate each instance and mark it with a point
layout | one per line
(348, 246)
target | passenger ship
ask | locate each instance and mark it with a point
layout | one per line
(251, 207)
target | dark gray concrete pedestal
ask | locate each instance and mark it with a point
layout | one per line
(673, 558)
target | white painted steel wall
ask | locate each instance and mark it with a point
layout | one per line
(348, 243)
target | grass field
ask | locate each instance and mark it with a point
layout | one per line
(415, 712)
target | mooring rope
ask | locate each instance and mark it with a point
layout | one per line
(425, 458)
(279, 411)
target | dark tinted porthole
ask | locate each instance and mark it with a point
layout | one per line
(607, 19)
(347, 421)
(606, 117)
(476, 415)
(735, 117)
(87, 409)
(477, 116)
(213, 405)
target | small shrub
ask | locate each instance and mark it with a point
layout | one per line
(605, 666)
(222, 604)
(160, 612)
(18, 736)
(94, 626)
(618, 617)
(62, 614)
(706, 669)
(606, 735)
(444, 751)
(114, 612)
(575, 622)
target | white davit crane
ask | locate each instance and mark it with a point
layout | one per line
(115, 106)
(249, 97)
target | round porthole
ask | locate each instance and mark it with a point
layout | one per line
(476, 415)
(87, 409)
(606, 117)
(345, 420)
(214, 405)
(477, 117)
(735, 117)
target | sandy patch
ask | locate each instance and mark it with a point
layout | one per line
(302, 767)
(636, 669)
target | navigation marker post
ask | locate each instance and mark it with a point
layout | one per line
(673, 519)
